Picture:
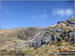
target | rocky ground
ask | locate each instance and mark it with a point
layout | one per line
(37, 41)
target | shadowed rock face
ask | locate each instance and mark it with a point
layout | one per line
(64, 30)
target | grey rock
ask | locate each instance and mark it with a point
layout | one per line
(72, 40)
(71, 21)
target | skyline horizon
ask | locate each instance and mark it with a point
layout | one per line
(34, 26)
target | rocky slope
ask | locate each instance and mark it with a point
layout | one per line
(59, 37)
(51, 40)
(63, 30)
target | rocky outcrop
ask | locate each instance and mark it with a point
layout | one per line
(63, 30)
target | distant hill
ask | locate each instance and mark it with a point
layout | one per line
(9, 36)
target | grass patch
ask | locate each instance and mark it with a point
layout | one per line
(29, 50)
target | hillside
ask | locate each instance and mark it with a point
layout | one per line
(10, 36)
(40, 42)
